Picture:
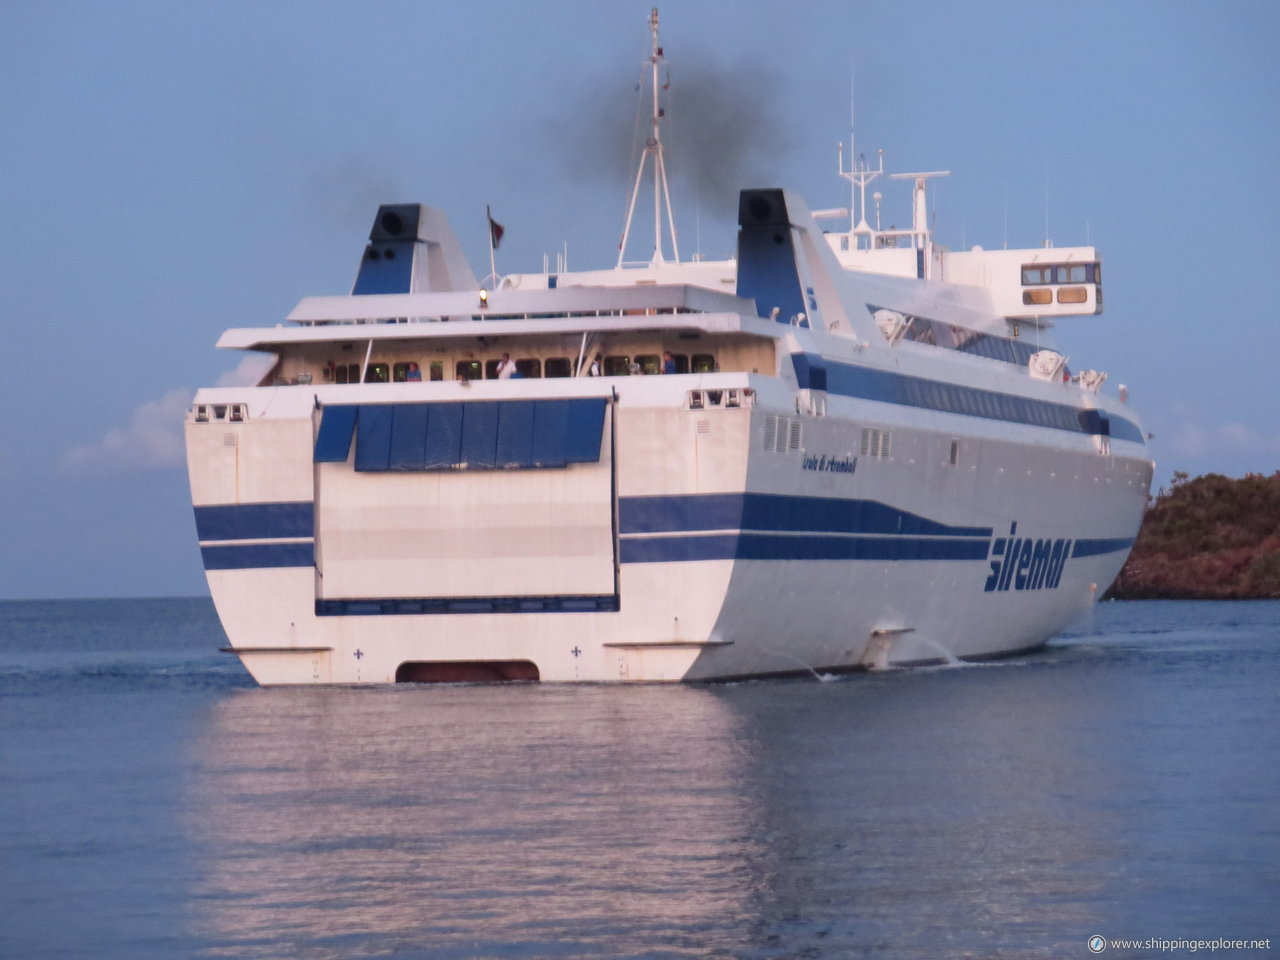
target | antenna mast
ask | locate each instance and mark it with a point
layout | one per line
(859, 175)
(653, 148)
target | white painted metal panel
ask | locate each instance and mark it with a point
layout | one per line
(465, 533)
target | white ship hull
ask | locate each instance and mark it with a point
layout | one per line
(837, 451)
(869, 561)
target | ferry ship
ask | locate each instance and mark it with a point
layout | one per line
(843, 449)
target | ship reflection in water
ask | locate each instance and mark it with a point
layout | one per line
(921, 811)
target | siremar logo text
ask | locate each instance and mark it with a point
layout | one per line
(1025, 563)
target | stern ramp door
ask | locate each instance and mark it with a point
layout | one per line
(431, 506)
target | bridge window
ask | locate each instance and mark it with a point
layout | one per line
(1039, 274)
(1072, 295)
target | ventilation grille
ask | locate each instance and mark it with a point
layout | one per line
(782, 434)
(875, 443)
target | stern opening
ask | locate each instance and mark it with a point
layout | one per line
(466, 671)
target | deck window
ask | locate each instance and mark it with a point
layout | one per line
(529, 367)
(436, 368)
(469, 370)
(650, 363)
(346, 373)
(377, 373)
(702, 363)
(1037, 296)
(558, 367)
(1072, 295)
(617, 365)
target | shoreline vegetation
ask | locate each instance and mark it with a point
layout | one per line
(1208, 538)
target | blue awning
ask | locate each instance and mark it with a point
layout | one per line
(483, 435)
(333, 442)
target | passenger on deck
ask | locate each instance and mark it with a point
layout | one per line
(594, 369)
(413, 373)
(668, 363)
(506, 367)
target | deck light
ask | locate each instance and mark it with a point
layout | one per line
(484, 297)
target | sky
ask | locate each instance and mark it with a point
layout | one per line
(172, 169)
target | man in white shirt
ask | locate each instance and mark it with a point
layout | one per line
(506, 367)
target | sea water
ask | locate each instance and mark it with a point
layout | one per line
(155, 803)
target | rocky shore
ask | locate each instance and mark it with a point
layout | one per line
(1212, 537)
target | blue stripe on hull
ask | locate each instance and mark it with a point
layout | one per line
(1095, 548)
(759, 527)
(767, 511)
(255, 521)
(248, 556)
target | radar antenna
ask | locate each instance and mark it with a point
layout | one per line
(653, 148)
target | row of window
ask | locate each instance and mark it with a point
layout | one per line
(1034, 274)
(234, 412)
(614, 365)
(701, 399)
(938, 334)
(1065, 295)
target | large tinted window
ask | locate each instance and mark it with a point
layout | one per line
(558, 367)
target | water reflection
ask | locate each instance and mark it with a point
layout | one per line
(914, 813)
(926, 814)
(467, 820)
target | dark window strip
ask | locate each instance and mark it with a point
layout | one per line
(762, 546)
(411, 606)
(888, 387)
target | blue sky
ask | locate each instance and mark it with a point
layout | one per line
(173, 169)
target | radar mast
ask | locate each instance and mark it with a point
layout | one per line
(653, 149)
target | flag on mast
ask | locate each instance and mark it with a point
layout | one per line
(495, 229)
